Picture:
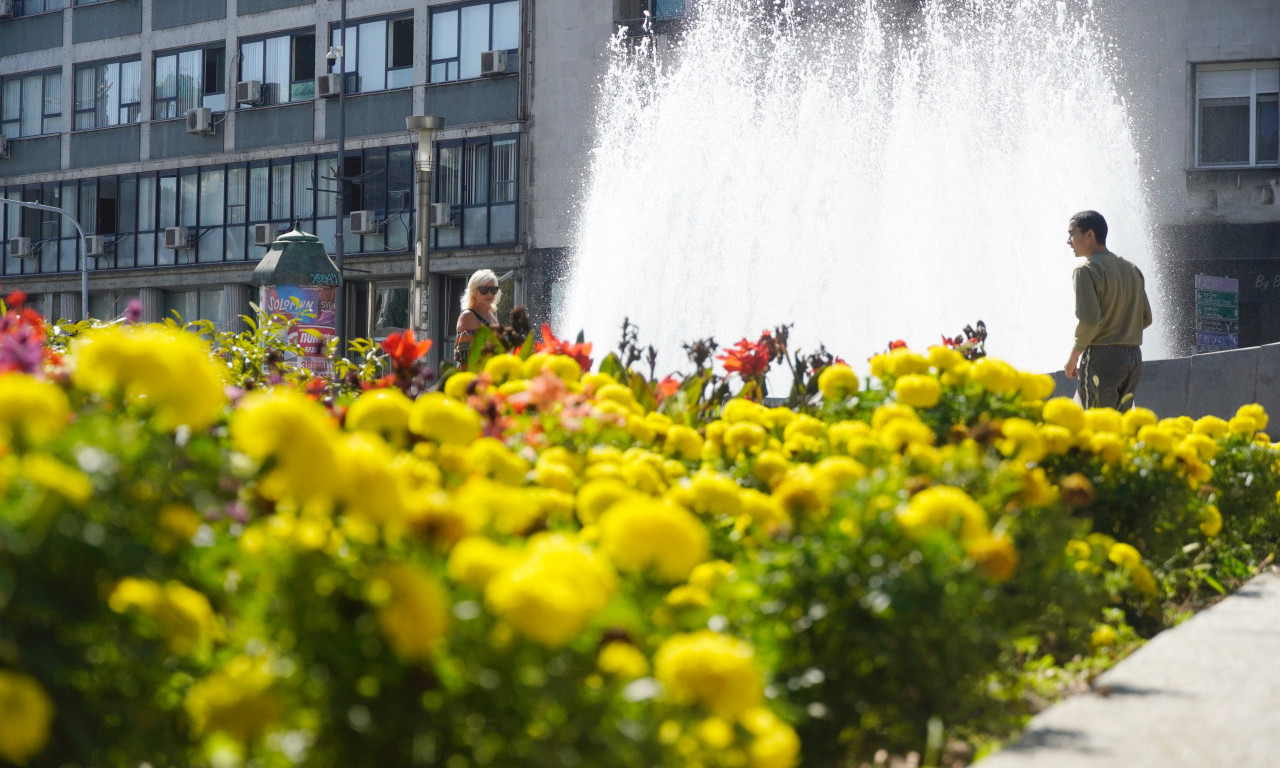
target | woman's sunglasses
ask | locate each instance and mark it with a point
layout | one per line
(488, 290)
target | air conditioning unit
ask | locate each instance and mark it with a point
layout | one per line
(329, 86)
(442, 215)
(6, 9)
(4, 146)
(177, 238)
(264, 234)
(200, 120)
(19, 248)
(249, 92)
(363, 222)
(493, 63)
(95, 246)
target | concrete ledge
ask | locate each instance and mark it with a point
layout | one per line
(1268, 389)
(1201, 694)
(1221, 382)
(1164, 385)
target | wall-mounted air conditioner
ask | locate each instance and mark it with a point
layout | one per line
(363, 222)
(6, 9)
(442, 215)
(19, 248)
(264, 234)
(200, 120)
(329, 86)
(95, 246)
(493, 63)
(4, 147)
(249, 92)
(177, 238)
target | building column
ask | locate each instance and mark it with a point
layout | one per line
(152, 304)
(236, 298)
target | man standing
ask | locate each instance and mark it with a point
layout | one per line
(1112, 310)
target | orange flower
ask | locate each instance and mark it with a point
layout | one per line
(580, 352)
(667, 387)
(404, 350)
(749, 359)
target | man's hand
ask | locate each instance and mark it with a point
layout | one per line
(1070, 367)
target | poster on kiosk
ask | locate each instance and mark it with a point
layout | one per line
(297, 279)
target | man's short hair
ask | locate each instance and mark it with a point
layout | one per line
(1091, 220)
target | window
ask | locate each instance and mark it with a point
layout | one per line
(478, 178)
(188, 79)
(671, 9)
(31, 7)
(459, 34)
(378, 54)
(1237, 115)
(285, 65)
(31, 105)
(108, 94)
(196, 304)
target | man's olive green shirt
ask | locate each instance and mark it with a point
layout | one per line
(1111, 302)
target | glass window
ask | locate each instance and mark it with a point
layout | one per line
(480, 179)
(31, 105)
(1237, 122)
(459, 34)
(285, 65)
(31, 7)
(378, 54)
(108, 93)
(188, 79)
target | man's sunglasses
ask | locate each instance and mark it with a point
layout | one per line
(488, 290)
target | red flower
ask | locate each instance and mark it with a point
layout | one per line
(896, 344)
(16, 299)
(749, 359)
(667, 387)
(404, 350)
(581, 352)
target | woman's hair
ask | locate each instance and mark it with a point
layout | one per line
(479, 278)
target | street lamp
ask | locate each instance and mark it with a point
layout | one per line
(84, 251)
(420, 294)
(337, 54)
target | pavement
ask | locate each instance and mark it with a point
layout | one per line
(1203, 694)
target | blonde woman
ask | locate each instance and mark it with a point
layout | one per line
(479, 307)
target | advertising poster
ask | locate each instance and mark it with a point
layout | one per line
(311, 308)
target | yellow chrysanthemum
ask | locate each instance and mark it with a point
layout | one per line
(1242, 425)
(1124, 555)
(448, 422)
(764, 510)
(555, 589)
(1136, 418)
(169, 371)
(1064, 412)
(1156, 438)
(942, 507)
(1057, 439)
(740, 409)
(683, 443)
(712, 494)
(1079, 550)
(1022, 440)
(370, 487)
(1104, 636)
(1211, 426)
(31, 409)
(183, 615)
(26, 717)
(837, 382)
(801, 493)
(63, 479)
(1210, 520)
(744, 437)
(1107, 445)
(1104, 420)
(714, 671)
(995, 554)
(904, 362)
(236, 700)
(944, 358)
(598, 495)
(616, 393)
(489, 457)
(504, 368)
(299, 438)
(774, 744)
(415, 615)
(1035, 386)
(849, 437)
(623, 661)
(384, 412)
(1255, 412)
(475, 560)
(456, 386)
(549, 474)
(918, 390)
(996, 376)
(642, 534)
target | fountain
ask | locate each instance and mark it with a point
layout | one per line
(865, 173)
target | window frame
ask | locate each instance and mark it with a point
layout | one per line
(352, 80)
(456, 59)
(45, 77)
(294, 80)
(461, 205)
(1253, 97)
(203, 95)
(76, 111)
(20, 7)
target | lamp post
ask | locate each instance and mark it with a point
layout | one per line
(339, 246)
(424, 163)
(84, 251)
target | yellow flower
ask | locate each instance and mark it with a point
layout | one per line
(622, 660)
(996, 554)
(1143, 580)
(299, 438)
(944, 358)
(598, 495)
(26, 717)
(69, 482)
(849, 437)
(1104, 420)
(384, 412)
(769, 467)
(550, 474)
(641, 533)
(918, 390)
(415, 616)
(711, 574)
(715, 671)
(475, 560)
(445, 421)
(1255, 412)
(900, 434)
(774, 743)
(996, 376)
(1104, 636)
(904, 362)
(169, 371)
(503, 368)
(688, 596)
(488, 457)
(940, 507)
(1079, 550)
(714, 494)
(1108, 445)
(178, 519)
(1156, 438)
(183, 615)
(455, 388)
(837, 382)
(1057, 439)
(744, 436)
(739, 409)
(370, 486)
(1064, 412)
(1242, 425)
(1035, 386)
(31, 409)
(555, 589)
(1136, 418)
(616, 393)
(1210, 520)
(1211, 426)
(715, 732)
(1021, 440)
(683, 443)
(235, 700)
(564, 367)
(1125, 556)
(800, 494)
(764, 510)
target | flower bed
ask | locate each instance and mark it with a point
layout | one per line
(212, 558)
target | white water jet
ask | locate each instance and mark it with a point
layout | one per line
(862, 178)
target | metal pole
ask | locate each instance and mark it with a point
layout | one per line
(424, 164)
(339, 246)
(84, 251)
